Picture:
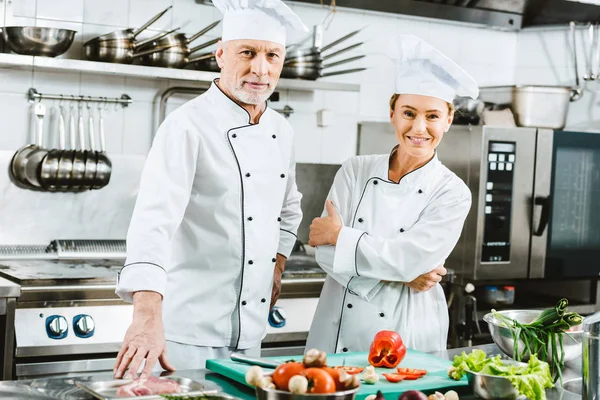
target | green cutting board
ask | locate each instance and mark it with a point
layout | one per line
(436, 378)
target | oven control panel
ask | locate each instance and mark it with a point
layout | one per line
(292, 315)
(498, 202)
(69, 326)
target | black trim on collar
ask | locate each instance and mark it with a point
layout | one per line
(237, 104)
(394, 150)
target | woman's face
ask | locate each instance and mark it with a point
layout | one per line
(420, 123)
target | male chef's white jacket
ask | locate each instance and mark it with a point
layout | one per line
(392, 233)
(217, 202)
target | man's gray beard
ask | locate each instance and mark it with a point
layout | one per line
(251, 98)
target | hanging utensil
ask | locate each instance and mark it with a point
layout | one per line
(49, 164)
(131, 33)
(78, 173)
(577, 90)
(34, 159)
(91, 161)
(65, 163)
(104, 165)
(20, 160)
(72, 131)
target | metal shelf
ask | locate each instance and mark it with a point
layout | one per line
(140, 71)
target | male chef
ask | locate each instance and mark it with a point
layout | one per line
(218, 208)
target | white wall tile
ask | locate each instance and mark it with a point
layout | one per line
(75, 50)
(21, 8)
(11, 20)
(301, 101)
(16, 129)
(141, 11)
(16, 80)
(106, 12)
(137, 132)
(307, 138)
(67, 83)
(102, 85)
(144, 90)
(192, 17)
(62, 10)
(114, 125)
(339, 140)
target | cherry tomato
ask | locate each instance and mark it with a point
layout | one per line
(350, 370)
(319, 381)
(284, 372)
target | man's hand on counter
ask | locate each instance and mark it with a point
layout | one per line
(279, 268)
(145, 338)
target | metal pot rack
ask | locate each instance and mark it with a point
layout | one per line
(34, 95)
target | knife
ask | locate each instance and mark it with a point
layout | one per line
(262, 362)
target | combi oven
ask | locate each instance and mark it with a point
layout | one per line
(536, 202)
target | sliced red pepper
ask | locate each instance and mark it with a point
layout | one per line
(412, 371)
(387, 350)
(394, 378)
(350, 370)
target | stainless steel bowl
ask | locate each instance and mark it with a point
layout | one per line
(493, 387)
(502, 336)
(38, 41)
(274, 394)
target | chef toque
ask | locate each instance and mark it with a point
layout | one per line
(422, 69)
(257, 20)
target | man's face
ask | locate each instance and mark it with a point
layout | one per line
(250, 69)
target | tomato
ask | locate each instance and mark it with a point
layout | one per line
(319, 381)
(335, 374)
(284, 372)
(394, 378)
(350, 370)
(412, 371)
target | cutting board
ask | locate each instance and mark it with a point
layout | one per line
(436, 378)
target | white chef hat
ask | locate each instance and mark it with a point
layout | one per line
(258, 20)
(424, 70)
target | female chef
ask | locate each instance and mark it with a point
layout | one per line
(392, 219)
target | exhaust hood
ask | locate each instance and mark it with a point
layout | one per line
(502, 14)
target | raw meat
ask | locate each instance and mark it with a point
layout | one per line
(149, 386)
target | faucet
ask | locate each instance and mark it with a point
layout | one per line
(590, 359)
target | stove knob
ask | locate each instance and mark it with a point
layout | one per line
(83, 325)
(56, 327)
(277, 317)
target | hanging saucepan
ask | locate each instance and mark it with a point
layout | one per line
(315, 58)
(65, 163)
(293, 54)
(50, 163)
(104, 165)
(208, 63)
(35, 157)
(131, 34)
(313, 73)
(319, 65)
(178, 39)
(21, 160)
(78, 173)
(121, 51)
(91, 159)
(174, 57)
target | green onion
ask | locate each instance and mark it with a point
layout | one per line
(544, 336)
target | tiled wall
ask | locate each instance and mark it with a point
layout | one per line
(487, 54)
(545, 57)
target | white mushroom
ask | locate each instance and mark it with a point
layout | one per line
(349, 381)
(266, 382)
(315, 358)
(436, 396)
(371, 397)
(254, 375)
(298, 384)
(370, 376)
(451, 395)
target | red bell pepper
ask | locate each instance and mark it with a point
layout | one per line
(387, 350)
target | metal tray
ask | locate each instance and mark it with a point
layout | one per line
(107, 390)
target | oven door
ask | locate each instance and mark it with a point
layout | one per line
(566, 223)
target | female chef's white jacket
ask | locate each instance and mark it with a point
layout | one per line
(392, 233)
(217, 202)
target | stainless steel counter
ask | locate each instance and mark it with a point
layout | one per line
(65, 389)
(9, 289)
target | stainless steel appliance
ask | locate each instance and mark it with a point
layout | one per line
(535, 195)
(67, 318)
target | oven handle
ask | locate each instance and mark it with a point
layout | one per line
(545, 217)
